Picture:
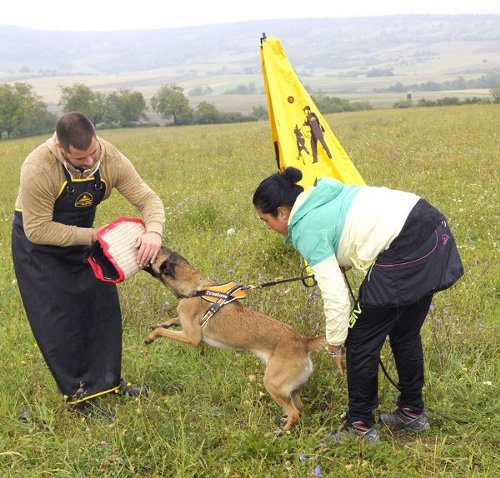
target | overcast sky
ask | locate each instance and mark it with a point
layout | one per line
(103, 15)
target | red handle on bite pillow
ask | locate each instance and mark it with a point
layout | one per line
(113, 255)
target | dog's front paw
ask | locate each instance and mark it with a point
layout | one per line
(155, 326)
(148, 340)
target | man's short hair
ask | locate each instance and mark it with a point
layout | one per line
(74, 129)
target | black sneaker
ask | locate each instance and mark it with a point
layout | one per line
(403, 418)
(358, 430)
(89, 409)
(130, 390)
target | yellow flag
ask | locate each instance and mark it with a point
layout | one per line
(301, 136)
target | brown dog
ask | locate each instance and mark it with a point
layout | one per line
(279, 345)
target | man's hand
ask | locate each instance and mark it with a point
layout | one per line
(148, 245)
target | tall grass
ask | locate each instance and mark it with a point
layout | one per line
(207, 414)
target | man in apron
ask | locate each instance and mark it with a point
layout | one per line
(75, 318)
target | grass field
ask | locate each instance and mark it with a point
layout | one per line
(207, 414)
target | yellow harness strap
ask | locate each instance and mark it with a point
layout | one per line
(219, 296)
(217, 292)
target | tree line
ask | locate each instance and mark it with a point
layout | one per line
(450, 100)
(23, 112)
(488, 80)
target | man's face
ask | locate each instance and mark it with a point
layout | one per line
(83, 159)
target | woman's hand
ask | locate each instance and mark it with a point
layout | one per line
(148, 245)
(335, 351)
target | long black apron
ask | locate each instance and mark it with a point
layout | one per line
(75, 318)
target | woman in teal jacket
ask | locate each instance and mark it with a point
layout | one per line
(407, 251)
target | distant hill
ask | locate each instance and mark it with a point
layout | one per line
(336, 55)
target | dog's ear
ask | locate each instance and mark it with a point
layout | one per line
(170, 265)
(168, 268)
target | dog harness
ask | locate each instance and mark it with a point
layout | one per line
(219, 296)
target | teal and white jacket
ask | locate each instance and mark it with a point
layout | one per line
(332, 225)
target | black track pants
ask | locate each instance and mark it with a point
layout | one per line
(364, 342)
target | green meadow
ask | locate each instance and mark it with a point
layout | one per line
(207, 413)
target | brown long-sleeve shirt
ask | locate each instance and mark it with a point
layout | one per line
(41, 182)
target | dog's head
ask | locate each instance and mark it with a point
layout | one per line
(175, 272)
(165, 263)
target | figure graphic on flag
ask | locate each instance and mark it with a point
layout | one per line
(317, 131)
(301, 143)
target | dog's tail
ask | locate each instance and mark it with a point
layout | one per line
(314, 343)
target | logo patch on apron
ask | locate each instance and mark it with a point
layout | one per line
(84, 200)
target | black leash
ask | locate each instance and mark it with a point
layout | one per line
(219, 298)
(303, 278)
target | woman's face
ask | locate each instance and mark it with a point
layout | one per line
(277, 223)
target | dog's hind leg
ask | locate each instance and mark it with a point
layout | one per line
(278, 386)
(297, 400)
(286, 402)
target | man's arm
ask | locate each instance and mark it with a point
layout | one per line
(38, 192)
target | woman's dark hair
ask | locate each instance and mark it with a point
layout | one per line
(74, 129)
(279, 189)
